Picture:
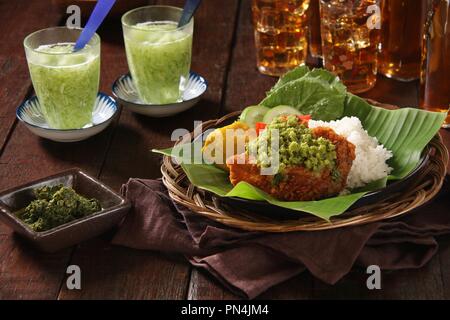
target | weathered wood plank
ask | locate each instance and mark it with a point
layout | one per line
(424, 283)
(203, 287)
(110, 272)
(130, 156)
(26, 273)
(245, 85)
(14, 75)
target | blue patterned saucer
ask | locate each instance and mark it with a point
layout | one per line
(31, 115)
(125, 92)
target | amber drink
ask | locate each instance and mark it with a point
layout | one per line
(401, 38)
(281, 30)
(350, 39)
(315, 42)
(435, 68)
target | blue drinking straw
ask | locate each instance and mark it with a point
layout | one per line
(188, 11)
(95, 20)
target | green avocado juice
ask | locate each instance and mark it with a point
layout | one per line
(159, 58)
(66, 83)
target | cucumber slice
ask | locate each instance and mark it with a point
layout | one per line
(253, 114)
(278, 111)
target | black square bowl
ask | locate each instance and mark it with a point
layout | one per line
(114, 209)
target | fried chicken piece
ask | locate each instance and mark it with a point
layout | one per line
(299, 183)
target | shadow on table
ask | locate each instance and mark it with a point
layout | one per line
(203, 111)
(90, 154)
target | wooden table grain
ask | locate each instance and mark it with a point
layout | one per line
(224, 54)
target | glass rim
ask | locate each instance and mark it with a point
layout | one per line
(154, 7)
(95, 38)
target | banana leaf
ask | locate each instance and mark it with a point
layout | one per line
(405, 132)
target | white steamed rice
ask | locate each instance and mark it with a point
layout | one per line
(370, 162)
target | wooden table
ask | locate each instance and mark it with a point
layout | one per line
(224, 54)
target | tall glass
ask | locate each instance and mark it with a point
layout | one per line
(435, 70)
(66, 82)
(315, 41)
(281, 30)
(158, 52)
(350, 40)
(401, 38)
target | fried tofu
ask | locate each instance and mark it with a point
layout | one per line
(214, 149)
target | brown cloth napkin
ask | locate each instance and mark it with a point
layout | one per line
(248, 263)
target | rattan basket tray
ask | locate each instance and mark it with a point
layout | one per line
(416, 194)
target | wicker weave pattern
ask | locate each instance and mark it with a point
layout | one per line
(425, 188)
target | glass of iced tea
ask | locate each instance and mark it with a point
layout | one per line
(401, 38)
(281, 30)
(350, 39)
(435, 68)
(315, 42)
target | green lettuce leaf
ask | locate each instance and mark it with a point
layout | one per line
(329, 78)
(304, 72)
(310, 96)
(289, 76)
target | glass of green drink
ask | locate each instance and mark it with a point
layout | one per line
(66, 82)
(158, 52)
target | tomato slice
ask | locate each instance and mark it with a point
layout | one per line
(304, 118)
(260, 126)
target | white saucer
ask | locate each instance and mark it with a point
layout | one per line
(125, 92)
(31, 115)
